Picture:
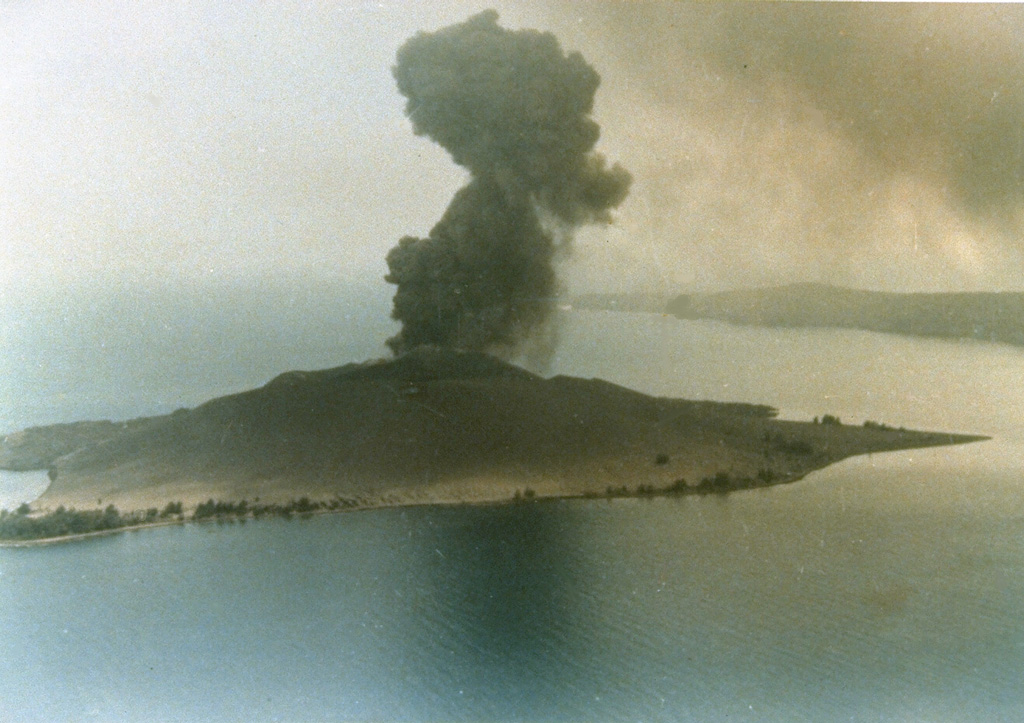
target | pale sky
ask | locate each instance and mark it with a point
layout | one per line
(869, 145)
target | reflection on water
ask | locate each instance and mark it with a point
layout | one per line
(505, 574)
(756, 606)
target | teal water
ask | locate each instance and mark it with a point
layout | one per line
(884, 588)
(687, 609)
(18, 487)
(117, 354)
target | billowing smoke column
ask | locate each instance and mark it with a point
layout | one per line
(514, 110)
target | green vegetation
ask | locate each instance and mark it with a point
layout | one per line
(63, 522)
(172, 508)
(220, 510)
(526, 495)
(719, 484)
(212, 508)
(678, 487)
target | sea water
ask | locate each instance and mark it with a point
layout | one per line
(886, 587)
(19, 487)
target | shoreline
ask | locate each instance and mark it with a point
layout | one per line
(322, 508)
(431, 427)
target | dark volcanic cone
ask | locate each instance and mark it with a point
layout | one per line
(432, 425)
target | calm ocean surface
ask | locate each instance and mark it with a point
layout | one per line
(886, 588)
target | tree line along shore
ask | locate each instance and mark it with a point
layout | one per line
(24, 525)
(432, 426)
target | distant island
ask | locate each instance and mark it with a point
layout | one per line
(432, 426)
(986, 316)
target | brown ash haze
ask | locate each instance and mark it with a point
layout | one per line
(874, 145)
(515, 111)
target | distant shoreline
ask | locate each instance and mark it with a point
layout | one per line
(47, 541)
(994, 317)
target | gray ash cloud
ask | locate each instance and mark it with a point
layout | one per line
(514, 110)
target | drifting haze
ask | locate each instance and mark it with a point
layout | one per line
(865, 144)
(874, 145)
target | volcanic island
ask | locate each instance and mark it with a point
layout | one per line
(432, 426)
(443, 421)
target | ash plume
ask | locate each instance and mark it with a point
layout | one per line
(514, 110)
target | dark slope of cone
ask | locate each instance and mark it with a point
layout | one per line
(429, 414)
(439, 416)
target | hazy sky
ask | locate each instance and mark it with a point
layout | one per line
(870, 145)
